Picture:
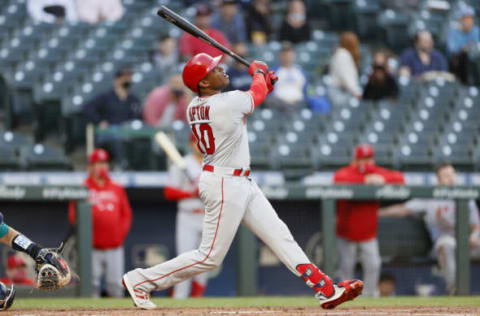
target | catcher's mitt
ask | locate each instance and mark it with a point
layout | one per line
(52, 270)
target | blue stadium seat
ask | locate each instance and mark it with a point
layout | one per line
(457, 154)
(413, 156)
(9, 160)
(43, 157)
(332, 156)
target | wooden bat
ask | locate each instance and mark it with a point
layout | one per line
(172, 152)
(188, 27)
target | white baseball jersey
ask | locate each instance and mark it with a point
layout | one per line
(218, 123)
(178, 179)
(440, 215)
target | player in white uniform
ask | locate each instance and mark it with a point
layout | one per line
(230, 197)
(439, 217)
(183, 187)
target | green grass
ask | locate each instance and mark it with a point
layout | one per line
(302, 301)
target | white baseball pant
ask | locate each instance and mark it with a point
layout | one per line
(445, 248)
(188, 236)
(111, 263)
(349, 251)
(229, 201)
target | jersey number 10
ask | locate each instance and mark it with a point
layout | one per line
(204, 135)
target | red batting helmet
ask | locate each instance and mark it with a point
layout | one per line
(97, 155)
(364, 151)
(197, 68)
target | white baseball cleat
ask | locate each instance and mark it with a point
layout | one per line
(344, 291)
(140, 298)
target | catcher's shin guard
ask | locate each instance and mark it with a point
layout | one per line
(316, 279)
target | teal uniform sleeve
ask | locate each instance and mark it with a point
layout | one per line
(3, 230)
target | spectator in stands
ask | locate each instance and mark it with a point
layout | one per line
(386, 285)
(167, 103)
(357, 221)
(289, 93)
(381, 83)
(343, 68)
(295, 27)
(259, 24)
(113, 108)
(16, 272)
(459, 40)
(422, 61)
(165, 57)
(240, 79)
(52, 11)
(229, 19)
(439, 216)
(94, 11)
(190, 45)
(111, 220)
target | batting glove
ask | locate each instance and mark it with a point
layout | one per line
(257, 67)
(270, 78)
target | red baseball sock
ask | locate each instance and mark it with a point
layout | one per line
(197, 289)
(316, 279)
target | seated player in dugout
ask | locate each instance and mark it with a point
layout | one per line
(439, 217)
(19, 242)
(182, 187)
(230, 196)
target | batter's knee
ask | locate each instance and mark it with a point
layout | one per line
(213, 260)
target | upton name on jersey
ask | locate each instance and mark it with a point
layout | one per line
(218, 123)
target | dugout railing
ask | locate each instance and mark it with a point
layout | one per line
(327, 196)
(247, 258)
(53, 193)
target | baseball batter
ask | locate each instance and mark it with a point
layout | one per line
(188, 231)
(230, 197)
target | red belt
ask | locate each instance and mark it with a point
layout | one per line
(228, 171)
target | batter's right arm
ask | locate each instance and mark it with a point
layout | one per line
(262, 83)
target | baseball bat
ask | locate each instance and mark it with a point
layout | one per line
(172, 153)
(188, 27)
(162, 139)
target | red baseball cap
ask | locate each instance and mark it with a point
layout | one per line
(364, 151)
(15, 261)
(97, 155)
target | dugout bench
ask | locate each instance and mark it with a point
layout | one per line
(327, 196)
